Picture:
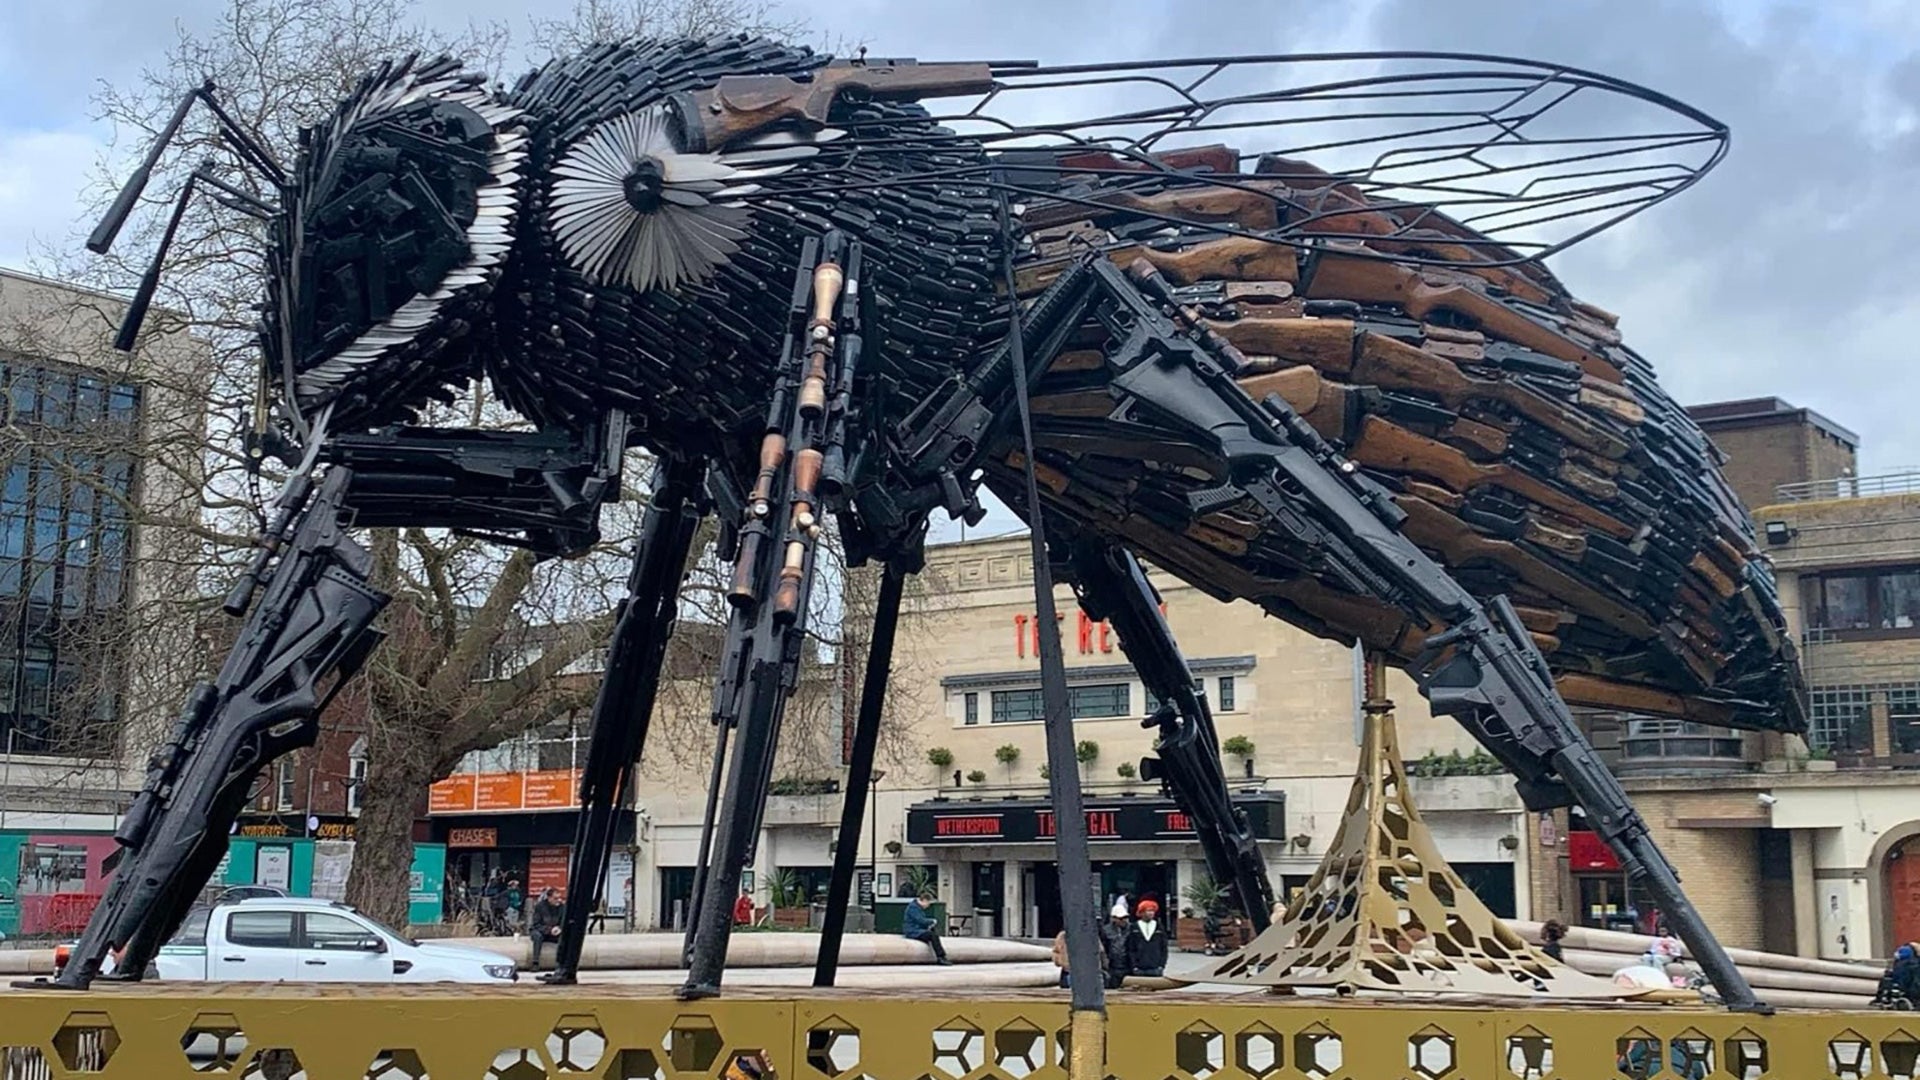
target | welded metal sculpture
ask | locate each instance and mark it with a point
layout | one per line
(1276, 325)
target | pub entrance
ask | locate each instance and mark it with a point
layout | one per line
(1134, 880)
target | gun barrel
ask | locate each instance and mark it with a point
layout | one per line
(104, 233)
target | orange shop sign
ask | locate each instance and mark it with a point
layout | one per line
(492, 793)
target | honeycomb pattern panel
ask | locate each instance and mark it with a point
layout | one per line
(1318, 1052)
(577, 1044)
(398, 1063)
(1637, 1055)
(1747, 1056)
(213, 1043)
(1850, 1056)
(86, 1042)
(1200, 1050)
(1431, 1053)
(1528, 1054)
(1900, 1056)
(517, 1063)
(1257, 1051)
(1692, 1055)
(959, 1049)
(635, 1064)
(693, 1045)
(1019, 1049)
(275, 1063)
(833, 1047)
(23, 1061)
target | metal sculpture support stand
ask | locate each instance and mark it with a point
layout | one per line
(866, 738)
(623, 709)
(774, 551)
(312, 622)
(1385, 912)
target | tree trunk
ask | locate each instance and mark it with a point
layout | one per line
(383, 836)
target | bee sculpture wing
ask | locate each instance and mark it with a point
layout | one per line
(400, 226)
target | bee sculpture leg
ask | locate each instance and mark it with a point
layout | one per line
(313, 621)
(1112, 586)
(1176, 401)
(624, 706)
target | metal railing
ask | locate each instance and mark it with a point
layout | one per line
(1903, 482)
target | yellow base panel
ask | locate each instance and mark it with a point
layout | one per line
(530, 1032)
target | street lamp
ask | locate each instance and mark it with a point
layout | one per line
(873, 842)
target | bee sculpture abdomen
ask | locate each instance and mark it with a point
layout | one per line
(1532, 450)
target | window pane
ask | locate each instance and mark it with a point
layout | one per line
(262, 929)
(1105, 699)
(194, 930)
(1226, 693)
(1016, 706)
(1846, 603)
(973, 709)
(1900, 600)
(326, 930)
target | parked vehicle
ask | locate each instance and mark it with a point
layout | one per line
(248, 892)
(296, 939)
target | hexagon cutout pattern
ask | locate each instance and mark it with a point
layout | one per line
(213, 1043)
(86, 1042)
(576, 1044)
(1637, 1054)
(1529, 1055)
(1257, 1051)
(634, 1064)
(1900, 1056)
(1200, 1051)
(1317, 1051)
(1019, 1049)
(750, 1065)
(958, 1048)
(833, 1047)
(1746, 1056)
(398, 1063)
(1850, 1056)
(274, 1063)
(518, 1063)
(693, 1045)
(1692, 1055)
(1432, 1054)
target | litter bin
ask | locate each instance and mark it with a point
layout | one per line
(983, 922)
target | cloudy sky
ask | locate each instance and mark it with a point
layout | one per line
(1789, 271)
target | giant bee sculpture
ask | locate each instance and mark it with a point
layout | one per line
(1279, 326)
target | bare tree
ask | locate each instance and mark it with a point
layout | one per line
(472, 655)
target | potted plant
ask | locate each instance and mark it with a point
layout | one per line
(1086, 753)
(1126, 771)
(941, 759)
(1241, 747)
(788, 898)
(1007, 755)
(976, 777)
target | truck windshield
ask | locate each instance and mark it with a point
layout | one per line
(194, 930)
(380, 926)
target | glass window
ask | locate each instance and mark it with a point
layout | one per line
(1104, 699)
(972, 702)
(1226, 693)
(1845, 603)
(283, 795)
(1899, 600)
(325, 930)
(261, 929)
(1903, 718)
(194, 930)
(1017, 706)
(1841, 718)
(356, 781)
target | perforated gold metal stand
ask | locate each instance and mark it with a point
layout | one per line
(1386, 912)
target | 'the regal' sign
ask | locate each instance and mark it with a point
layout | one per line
(942, 822)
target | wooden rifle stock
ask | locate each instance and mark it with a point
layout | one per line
(740, 105)
(1320, 403)
(1344, 276)
(1385, 445)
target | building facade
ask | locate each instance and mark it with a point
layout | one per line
(94, 553)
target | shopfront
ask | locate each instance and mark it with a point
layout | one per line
(522, 824)
(999, 855)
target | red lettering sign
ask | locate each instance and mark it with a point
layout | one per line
(1020, 635)
(981, 825)
(1175, 821)
(1100, 823)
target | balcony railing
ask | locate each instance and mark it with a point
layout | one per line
(1905, 482)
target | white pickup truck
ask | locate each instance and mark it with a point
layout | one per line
(295, 939)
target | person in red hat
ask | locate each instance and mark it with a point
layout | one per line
(1147, 941)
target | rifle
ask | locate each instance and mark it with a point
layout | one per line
(739, 105)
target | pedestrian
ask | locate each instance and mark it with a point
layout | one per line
(1551, 934)
(544, 926)
(917, 925)
(515, 904)
(494, 900)
(1147, 943)
(1900, 985)
(743, 910)
(1113, 944)
(1061, 959)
